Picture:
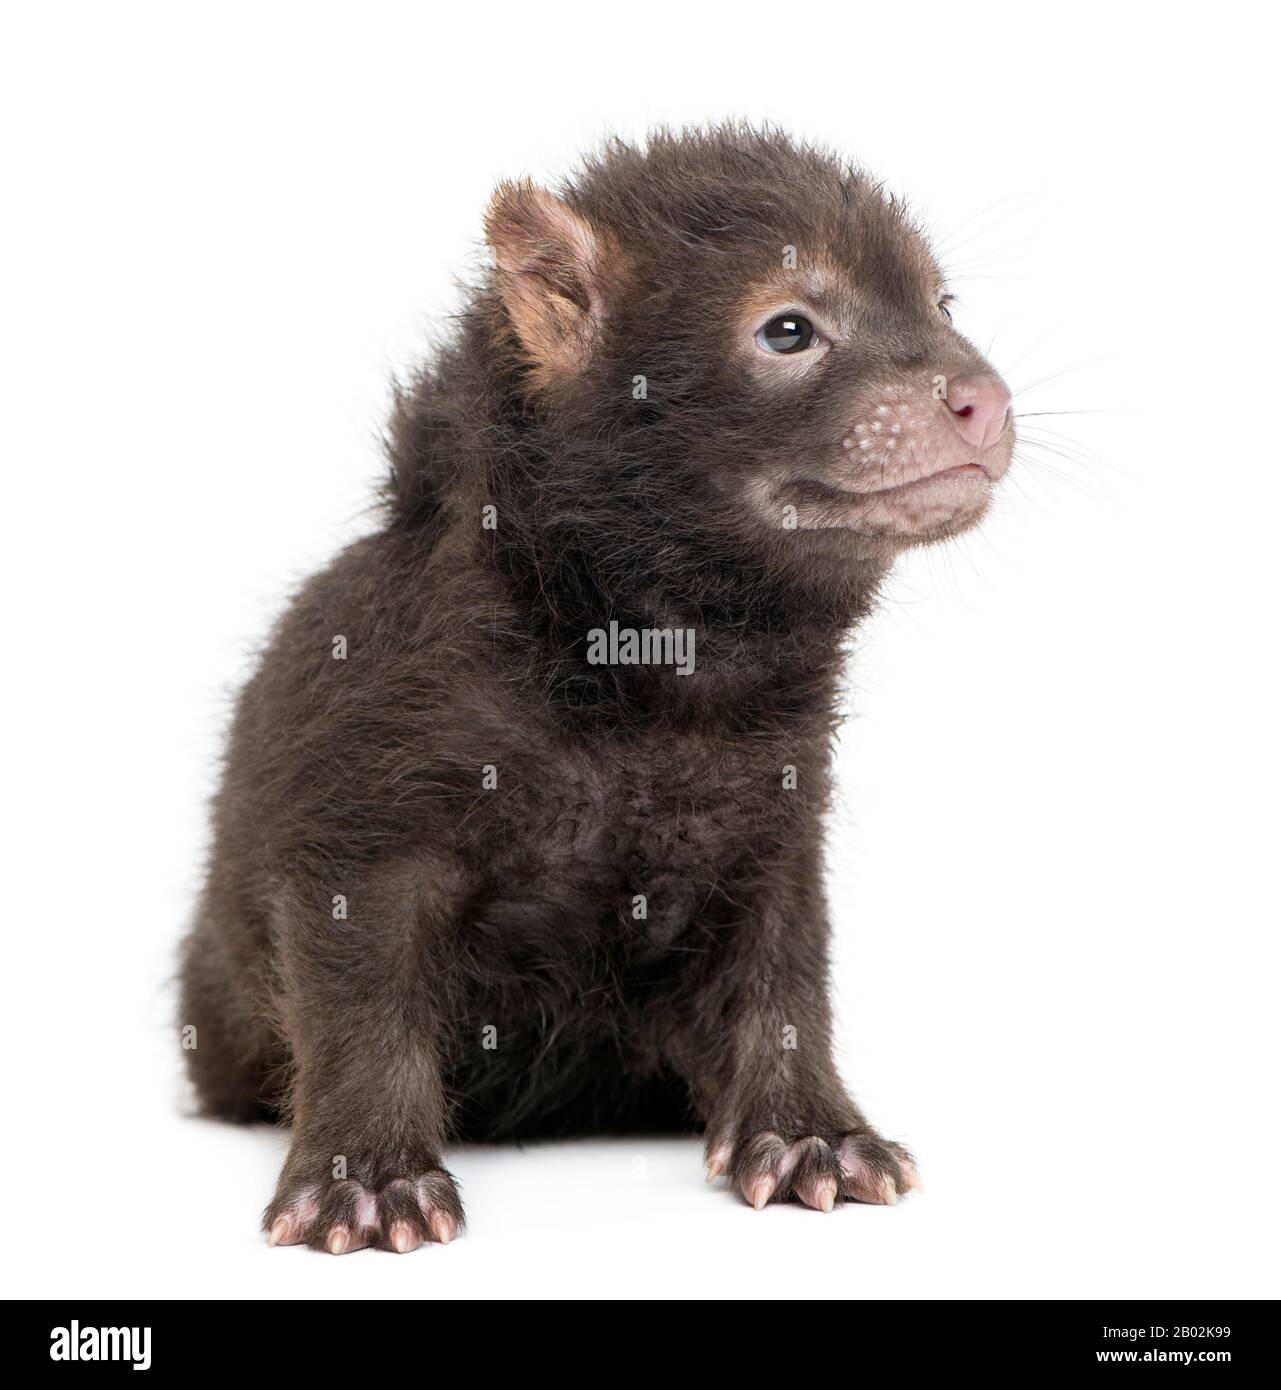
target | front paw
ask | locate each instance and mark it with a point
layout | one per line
(341, 1215)
(814, 1169)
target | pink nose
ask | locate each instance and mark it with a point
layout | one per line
(980, 408)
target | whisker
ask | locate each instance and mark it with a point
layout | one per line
(947, 246)
(1052, 376)
(1029, 455)
(1038, 434)
(1029, 468)
(982, 257)
(1023, 358)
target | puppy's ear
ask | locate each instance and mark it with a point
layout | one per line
(549, 276)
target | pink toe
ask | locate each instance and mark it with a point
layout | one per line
(821, 1195)
(403, 1237)
(718, 1161)
(759, 1191)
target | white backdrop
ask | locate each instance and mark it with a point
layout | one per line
(1051, 873)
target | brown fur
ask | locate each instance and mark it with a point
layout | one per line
(512, 908)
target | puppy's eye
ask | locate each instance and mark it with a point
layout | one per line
(945, 306)
(787, 333)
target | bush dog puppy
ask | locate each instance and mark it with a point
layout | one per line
(520, 826)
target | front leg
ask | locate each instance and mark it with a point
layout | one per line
(780, 1124)
(360, 1004)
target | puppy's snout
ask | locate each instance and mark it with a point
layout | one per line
(979, 407)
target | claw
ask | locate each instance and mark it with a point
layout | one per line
(821, 1195)
(442, 1227)
(760, 1192)
(403, 1237)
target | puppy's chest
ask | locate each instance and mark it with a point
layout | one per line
(621, 858)
(686, 806)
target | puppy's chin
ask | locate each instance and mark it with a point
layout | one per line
(883, 522)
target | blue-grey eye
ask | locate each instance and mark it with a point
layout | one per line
(787, 333)
(945, 306)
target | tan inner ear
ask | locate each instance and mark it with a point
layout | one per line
(547, 259)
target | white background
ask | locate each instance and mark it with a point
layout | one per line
(1052, 872)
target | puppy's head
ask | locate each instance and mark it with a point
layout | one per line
(747, 345)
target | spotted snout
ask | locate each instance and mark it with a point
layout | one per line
(905, 435)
